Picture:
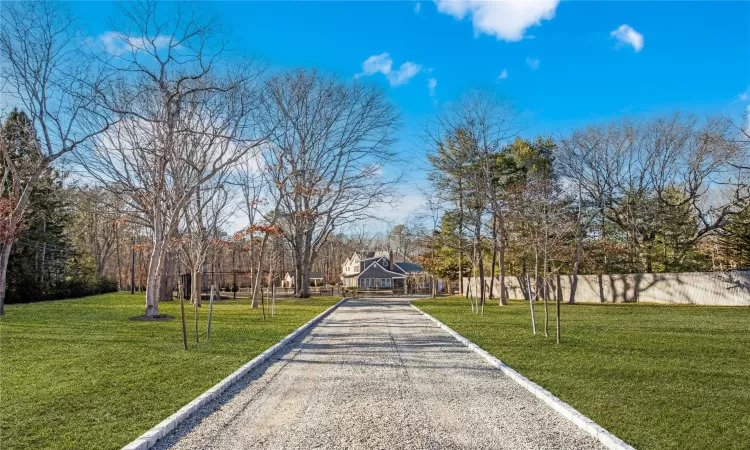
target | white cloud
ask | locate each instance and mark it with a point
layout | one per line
(533, 63)
(377, 63)
(506, 20)
(503, 75)
(432, 84)
(406, 72)
(417, 8)
(744, 96)
(116, 43)
(626, 35)
(383, 63)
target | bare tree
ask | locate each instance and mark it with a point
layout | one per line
(576, 159)
(204, 215)
(97, 217)
(256, 177)
(184, 118)
(431, 212)
(479, 124)
(634, 174)
(327, 155)
(739, 133)
(46, 72)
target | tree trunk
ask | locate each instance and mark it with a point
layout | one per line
(557, 313)
(154, 280)
(100, 262)
(304, 265)
(44, 256)
(649, 258)
(197, 289)
(119, 263)
(545, 294)
(434, 280)
(531, 304)
(182, 314)
(545, 287)
(536, 274)
(234, 273)
(480, 259)
(4, 257)
(503, 294)
(579, 248)
(303, 290)
(494, 257)
(210, 313)
(460, 241)
(165, 293)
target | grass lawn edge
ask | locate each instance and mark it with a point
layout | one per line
(607, 439)
(150, 437)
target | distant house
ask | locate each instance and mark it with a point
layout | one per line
(316, 278)
(371, 270)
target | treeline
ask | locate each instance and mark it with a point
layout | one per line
(174, 138)
(668, 194)
(47, 261)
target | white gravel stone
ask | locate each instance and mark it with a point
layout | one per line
(377, 374)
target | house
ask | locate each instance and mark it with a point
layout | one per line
(316, 278)
(371, 270)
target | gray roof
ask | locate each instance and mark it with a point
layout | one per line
(410, 267)
(378, 271)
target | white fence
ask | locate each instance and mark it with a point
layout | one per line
(693, 288)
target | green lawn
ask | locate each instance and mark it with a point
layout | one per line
(79, 374)
(659, 377)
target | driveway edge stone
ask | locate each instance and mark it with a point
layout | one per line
(149, 438)
(607, 439)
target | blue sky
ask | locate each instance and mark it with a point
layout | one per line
(565, 66)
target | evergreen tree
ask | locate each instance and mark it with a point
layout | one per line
(734, 241)
(37, 265)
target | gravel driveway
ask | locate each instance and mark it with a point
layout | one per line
(375, 374)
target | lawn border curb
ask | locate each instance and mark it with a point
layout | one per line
(608, 439)
(150, 437)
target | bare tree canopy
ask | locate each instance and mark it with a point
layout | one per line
(325, 157)
(184, 119)
(637, 174)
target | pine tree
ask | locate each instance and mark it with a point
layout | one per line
(734, 241)
(37, 265)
